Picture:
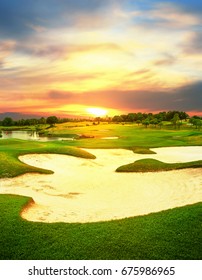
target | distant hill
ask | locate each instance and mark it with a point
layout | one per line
(18, 116)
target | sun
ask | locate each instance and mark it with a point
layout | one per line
(97, 112)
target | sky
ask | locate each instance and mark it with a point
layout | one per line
(63, 57)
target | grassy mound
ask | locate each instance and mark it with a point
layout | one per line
(153, 165)
(142, 150)
(11, 149)
(172, 234)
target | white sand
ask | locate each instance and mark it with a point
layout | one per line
(110, 138)
(85, 190)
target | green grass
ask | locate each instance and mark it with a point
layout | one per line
(171, 234)
(11, 149)
(142, 150)
(153, 165)
(130, 136)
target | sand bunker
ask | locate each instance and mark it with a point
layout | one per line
(86, 190)
(110, 138)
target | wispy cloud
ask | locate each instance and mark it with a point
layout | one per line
(187, 97)
(37, 28)
(6, 48)
(173, 16)
(193, 43)
(167, 60)
(117, 53)
(64, 51)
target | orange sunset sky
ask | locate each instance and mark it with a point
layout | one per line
(64, 57)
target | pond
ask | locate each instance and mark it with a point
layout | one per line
(29, 135)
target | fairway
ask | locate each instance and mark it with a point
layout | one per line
(72, 188)
(126, 136)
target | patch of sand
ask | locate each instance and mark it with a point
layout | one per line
(89, 190)
(110, 138)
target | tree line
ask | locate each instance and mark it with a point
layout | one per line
(158, 117)
(146, 119)
(174, 117)
(51, 120)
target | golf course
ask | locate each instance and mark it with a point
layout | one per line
(102, 191)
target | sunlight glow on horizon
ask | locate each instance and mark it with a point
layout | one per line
(97, 112)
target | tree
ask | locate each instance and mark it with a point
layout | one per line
(196, 122)
(161, 116)
(42, 120)
(117, 119)
(154, 121)
(52, 120)
(139, 116)
(21, 122)
(175, 120)
(183, 116)
(146, 122)
(170, 115)
(124, 118)
(30, 122)
(160, 124)
(7, 121)
(131, 117)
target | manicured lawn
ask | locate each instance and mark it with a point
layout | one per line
(130, 136)
(153, 165)
(171, 234)
(11, 149)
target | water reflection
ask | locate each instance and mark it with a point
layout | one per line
(29, 135)
(25, 135)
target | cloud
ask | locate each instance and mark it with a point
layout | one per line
(191, 96)
(193, 43)
(63, 51)
(172, 15)
(26, 16)
(185, 98)
(37, 28)
(117, 53)
(168, 59)
(13, 16)
(7, 47)
(192, 7)
(140, 72)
